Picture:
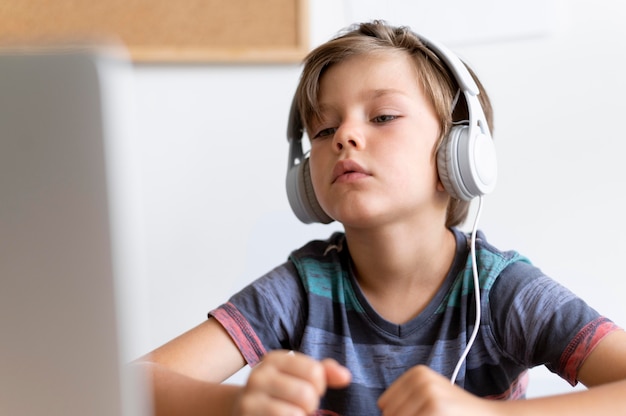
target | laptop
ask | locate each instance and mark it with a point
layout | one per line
(70, 264)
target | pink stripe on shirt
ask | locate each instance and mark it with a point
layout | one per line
(241, 332)
(582, 345)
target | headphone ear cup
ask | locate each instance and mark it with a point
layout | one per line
(301, 195)
(448, 166)
(467, 165)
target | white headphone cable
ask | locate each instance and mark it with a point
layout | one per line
(476, 293)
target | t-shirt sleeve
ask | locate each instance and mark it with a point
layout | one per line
(538, 321)
(266, 315)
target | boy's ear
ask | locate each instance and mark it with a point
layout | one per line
(440, 186)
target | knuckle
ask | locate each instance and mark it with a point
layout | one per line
(301, 394)
(255, 380)
(306, 396)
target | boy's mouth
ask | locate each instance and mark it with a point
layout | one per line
(347, 169)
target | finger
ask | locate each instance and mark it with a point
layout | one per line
(303, 367)
(402, 404)
(296, 391)
(408, 388)
(337, 376)
(261, 405)
(393, 401)
(293, 378)
(276, 386)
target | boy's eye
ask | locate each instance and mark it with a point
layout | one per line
(325, 132)
(384, 118)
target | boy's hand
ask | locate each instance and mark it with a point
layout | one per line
(289, 383)
(422, 391)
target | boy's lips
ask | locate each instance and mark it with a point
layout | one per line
(346, 169)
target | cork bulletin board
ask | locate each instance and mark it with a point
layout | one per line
(167, 30)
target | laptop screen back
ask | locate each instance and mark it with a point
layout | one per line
(62, 311)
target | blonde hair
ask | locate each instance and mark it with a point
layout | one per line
(435, 78)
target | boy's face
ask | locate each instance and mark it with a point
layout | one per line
(372, 151)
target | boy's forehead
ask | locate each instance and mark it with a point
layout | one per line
(375, 57)
(374, 75)
(366, 95)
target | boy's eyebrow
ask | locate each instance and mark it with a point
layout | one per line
(380, 92)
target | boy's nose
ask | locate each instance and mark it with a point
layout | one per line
(348, 135)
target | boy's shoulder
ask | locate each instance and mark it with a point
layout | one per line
(492, 263)
(485, 248)
(320, 249)
(488, 255)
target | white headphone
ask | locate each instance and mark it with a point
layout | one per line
(466, 160)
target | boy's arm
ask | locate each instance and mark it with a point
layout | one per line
(177, 394)
(606, 363)
(187, 372)
(604, 373)
(421, 390)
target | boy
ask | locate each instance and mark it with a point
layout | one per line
(378, 318)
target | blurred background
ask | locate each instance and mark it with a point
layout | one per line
(211, 154)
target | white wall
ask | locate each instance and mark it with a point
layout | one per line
(213, 159)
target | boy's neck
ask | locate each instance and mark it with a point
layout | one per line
(400, 271)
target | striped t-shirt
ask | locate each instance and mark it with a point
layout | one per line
(313, 304)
